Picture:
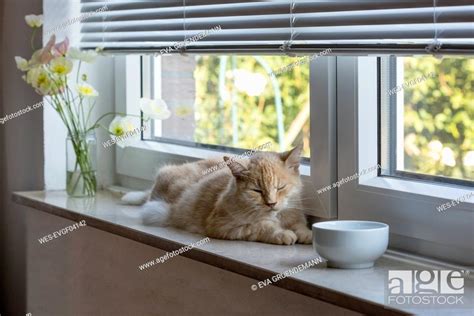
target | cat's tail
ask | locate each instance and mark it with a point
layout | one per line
(136, 198)
(153, 211)
(156, 212)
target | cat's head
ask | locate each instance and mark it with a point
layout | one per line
(269, 179)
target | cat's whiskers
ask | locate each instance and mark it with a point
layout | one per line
(312, 198)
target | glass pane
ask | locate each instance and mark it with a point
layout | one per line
(436, 121)
(235, 101)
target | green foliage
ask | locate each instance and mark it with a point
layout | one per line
(438, 114)
(256, 115)
(439, 111)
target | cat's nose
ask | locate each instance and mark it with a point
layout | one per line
(272, 205)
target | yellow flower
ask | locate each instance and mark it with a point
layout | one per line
(34, 21)
(38, 79)
(21, 63)
(86, 90)
(61, 66)
(183, 110)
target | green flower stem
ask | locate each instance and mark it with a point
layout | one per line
(78, 137)
(68, 103)
(83, 159)
(89, 112)
(78, 178)
(33, 39)
(78, 70)
(108, 113)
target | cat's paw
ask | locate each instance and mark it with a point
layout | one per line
(285, 237)
(305, 236)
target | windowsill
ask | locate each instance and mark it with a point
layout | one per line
(358, 290)
(431, 192)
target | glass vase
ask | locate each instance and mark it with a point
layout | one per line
(81, 165)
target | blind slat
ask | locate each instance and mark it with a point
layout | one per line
(449, 30)
(423, 15)
(247, 26)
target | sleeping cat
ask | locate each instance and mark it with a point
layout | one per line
(255, 199)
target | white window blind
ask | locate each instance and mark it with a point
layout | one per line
(344, 26)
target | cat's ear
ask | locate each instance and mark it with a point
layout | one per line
(291, 158)
(237, 169)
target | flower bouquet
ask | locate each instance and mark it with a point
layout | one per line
(49, 72)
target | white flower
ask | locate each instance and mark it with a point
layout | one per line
(410, 145)
(34, 21)
(124, 132)
(434, 149)
(21, 63)
(100, 50)
(468, 159)
(251, 83)
(447, 157)
(61, 66)
(86, 90)
(87, 56)
(120, 125)
(435, 145)
(154, 109)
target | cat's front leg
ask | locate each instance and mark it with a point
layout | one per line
(305, 236)
(271, 232)
(294, 220)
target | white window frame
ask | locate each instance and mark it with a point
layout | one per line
(151, 154)
(408, 206)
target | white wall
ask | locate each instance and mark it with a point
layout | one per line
(101, 76)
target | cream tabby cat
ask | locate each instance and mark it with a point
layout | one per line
(254, 199)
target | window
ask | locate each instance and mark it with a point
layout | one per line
(238, 102)
(427, 106)
(201, 103)
(409, 206)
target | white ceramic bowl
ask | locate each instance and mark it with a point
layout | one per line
(350, 244)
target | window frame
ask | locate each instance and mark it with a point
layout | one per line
(408, 206)
(391, 72)
(132, 83)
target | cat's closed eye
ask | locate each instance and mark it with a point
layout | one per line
(281, 187)
(257, 190)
